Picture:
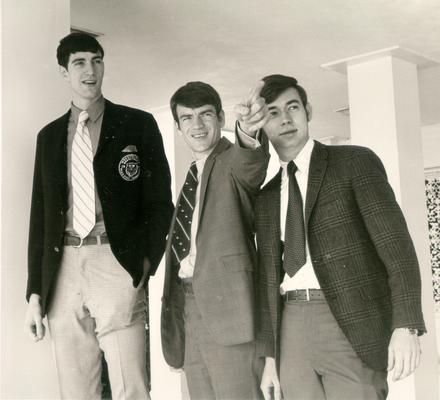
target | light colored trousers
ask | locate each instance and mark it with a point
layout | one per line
(95, 307)
(317, 360)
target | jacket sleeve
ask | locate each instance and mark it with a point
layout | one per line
(157, 201)
(249, 166)
(387, 228)
(36, 228)
(266, 288)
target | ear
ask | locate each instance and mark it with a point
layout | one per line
(309, 111)
(177, 129)
(221, 118)
(64, 73)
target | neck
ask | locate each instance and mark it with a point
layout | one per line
(289, 153)
(84, 104)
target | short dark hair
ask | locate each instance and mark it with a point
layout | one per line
(193, 95)
(276, 84)
(74, 43)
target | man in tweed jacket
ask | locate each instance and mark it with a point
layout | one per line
(353, 310)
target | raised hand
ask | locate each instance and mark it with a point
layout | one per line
(252, 114)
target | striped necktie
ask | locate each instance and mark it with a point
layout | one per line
(181, 239)
(294, 237)
(83, 184)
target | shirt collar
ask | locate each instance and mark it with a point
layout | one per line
(94, 110)
(302, 160)
(200, 164)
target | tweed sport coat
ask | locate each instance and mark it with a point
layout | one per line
(223, 278)
(360, 248)
(136, 204)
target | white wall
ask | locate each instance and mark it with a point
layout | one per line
(33, 94)
(431, 146)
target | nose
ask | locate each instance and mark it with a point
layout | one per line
(198, 122)
(89, 68)
(286, 118)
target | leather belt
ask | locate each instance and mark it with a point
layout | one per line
(76, 241)
(303, 295)
(186, 285)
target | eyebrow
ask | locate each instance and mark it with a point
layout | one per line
(77, 59)
(294, 101)
(209, 110)
(97, 57)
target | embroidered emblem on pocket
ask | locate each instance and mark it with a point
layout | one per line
(131, 148)
(129, 167)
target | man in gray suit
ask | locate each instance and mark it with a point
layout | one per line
(208, 319)
(333, 242)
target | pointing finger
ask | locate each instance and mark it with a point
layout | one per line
(241, 111)
(255, 93)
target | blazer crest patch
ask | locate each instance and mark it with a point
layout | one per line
(129, 167)
(131, 148)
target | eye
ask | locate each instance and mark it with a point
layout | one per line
(293, 107)
(273, 113)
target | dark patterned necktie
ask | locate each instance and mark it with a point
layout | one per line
(181, 240)
(294, 236)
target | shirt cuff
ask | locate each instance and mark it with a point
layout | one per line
(247, 141)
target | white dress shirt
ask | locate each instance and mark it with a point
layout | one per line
(305, 278)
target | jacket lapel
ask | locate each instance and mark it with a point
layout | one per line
(111, 121)
(209, 164)
(59, 150)
(272, 201)
(318, 166)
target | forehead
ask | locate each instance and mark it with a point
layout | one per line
(88, 55)
(182, 110)
(288, 96)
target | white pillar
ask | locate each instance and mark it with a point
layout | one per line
(165, 383)
(33, 94)
(385, 116)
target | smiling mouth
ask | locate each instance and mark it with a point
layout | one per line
(89, 82)
(200, 135)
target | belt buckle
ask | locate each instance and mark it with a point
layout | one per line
(307, 294)
(81, 240)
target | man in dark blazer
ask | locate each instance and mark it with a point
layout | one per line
(101, 208)
(338, 278)
(208, 318)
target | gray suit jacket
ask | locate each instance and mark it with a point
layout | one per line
(223, 278)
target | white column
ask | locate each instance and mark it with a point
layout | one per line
(165, 383)
(385, 116)
(33, 94)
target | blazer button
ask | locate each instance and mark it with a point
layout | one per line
(56, 248)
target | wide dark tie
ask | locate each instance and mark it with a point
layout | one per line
(181, 239)
(294, 236)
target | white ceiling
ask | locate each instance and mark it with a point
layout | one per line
(153, 47)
